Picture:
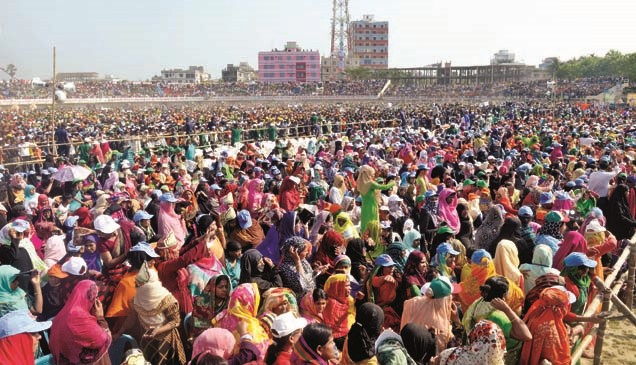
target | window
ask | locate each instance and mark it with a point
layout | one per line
(288, 58)
(282, 74)
(280, 58)
(313, 74)
(300, 58)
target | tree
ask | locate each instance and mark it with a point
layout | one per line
(10, 70)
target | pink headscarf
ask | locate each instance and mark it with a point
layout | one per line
(75, 333)
(216, 341)
(572, 242)
(169, 221)
(254, 197)
(448, 212)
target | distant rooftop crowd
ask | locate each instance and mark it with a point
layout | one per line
(567, 89)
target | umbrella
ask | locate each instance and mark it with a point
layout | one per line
(71, 173)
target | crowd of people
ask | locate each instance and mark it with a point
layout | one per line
(568, 89)
(454, 234)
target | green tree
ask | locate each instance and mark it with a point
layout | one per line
(10, 70)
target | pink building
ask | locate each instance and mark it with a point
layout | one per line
(291, 64)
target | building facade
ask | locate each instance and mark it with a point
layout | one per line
(77, 76)
(369, 42)
(330, 67)
(291, 64)
(191, 75)
(241, 73)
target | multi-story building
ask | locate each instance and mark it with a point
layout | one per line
(192, 75)
(330, 67)
(241, 73)
(291, 64)
(77, 76)
(369, 42)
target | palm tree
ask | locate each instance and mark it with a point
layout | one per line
(10, 70)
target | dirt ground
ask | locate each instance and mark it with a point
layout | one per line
(619, 347)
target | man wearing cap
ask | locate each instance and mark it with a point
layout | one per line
(285, 327)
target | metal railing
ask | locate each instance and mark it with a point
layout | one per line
(606, 296)
(211, 137)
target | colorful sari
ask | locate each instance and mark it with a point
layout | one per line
(473, 276)
(206, 306)
(308, 310)
(487, 346)
(339, 314)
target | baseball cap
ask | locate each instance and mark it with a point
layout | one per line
(430, 193)
(447, 248)
(141, 215)
(555, 216)
(525, 211)
(145, 248)
(20, 225)
(444, 229)
(546, 198)
(468, 182)
(420, 198)
(479, 255)
(20, 321)
(244, 219)
(105, 224)
(216, 187)
(295, 179)
(579, 259)
(441, 287)
(75, 266)
(168, 197)
(384, 260)
(482, 184)
(286, 324)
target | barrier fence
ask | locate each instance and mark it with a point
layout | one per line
(606, 296)
(11, 155)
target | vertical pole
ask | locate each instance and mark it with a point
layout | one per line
(598, 348)
(629, 297)
(54, 123)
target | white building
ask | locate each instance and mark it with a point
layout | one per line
(192, 75)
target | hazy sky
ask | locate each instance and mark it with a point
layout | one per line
(135, 39)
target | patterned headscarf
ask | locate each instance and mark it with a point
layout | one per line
(487, 346)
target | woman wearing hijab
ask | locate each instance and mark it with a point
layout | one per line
(340, 312)
(243, 307)
(322, 223)
(212, 301)
(415, 272)
(507, 262)
(316, 346)
(390, 350)
(295, 271)
(169, 223)
(80, 334)
(12, 297)
(550, 338)
(368, 188)
(255, 197)
(289, 194)
(338, 190)
(221, 342)
(511, 231)
(30, 200)
(448, 209)
(158, 313)
(54, 248)
(20, 337)
(359, 347)
(419, 342)
(474, 275)
(619, 220)
(487, 346)
(466, 230)
(541, 265)
(332, 245)
(84, 218)
(572, 242)
(488, 232)
(259, 270)
(312, 306)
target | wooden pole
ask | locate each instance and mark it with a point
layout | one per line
(627, 312)
(53, 121)
(598, 347)
(629, 295)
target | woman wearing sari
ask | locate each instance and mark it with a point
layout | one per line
(448, 209)
(474, 275)
(259, 270)
(243, 307)
(312, 306)
(487, 345)
(339, 314)
(295, 270)
(338, 190)
(541, 265)
(255, 197)
(550, 338)
(415, 272)
(488, 232)
(573, 241)
(158, 313)
(507, 262)
(359, 347)
(332, 245)
(80, 334)
(168, 221)
(369, 189)
(212, 301)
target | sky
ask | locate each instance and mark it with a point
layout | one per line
(135, 39)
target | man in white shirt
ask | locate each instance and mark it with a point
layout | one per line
(599, 182)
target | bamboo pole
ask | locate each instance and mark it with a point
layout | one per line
(627, 312)
(629, 296)
(598, 347)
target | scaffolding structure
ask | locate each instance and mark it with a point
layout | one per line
(340, 32)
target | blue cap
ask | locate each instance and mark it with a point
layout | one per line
(579, 259)
(430, 193)
(168, 197)
(216, 187)
(525, 211)
(479, 255)
(244, 219)
(578, 182)
(145, 248)
(570, 184)
(141, 215)
(560, 195)
(384, 260)
(447, 248)
(546, 198)
(20, 321)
